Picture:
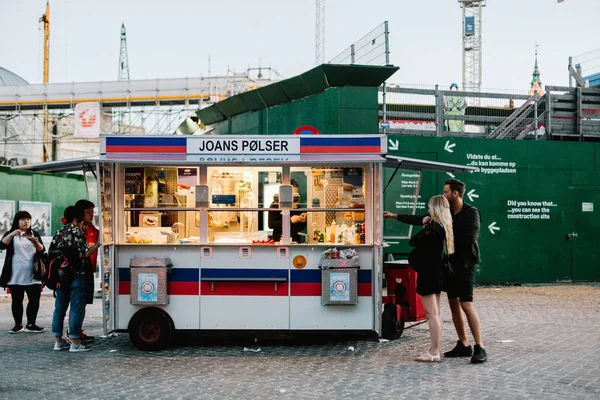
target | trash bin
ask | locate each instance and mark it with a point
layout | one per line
(402, 290)
(149, 280)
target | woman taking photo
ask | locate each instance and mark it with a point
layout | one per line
(22, 244)
(427, 258)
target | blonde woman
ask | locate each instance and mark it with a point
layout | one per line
(427, 258)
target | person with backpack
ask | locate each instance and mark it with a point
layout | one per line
(69, 243)
(22, 245)
(90, 264)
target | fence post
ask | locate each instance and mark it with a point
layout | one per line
(438, 111)
(387, 44)
(352, 54)
(579, 114)
(384, 106)
(570, 69)
(548, 113)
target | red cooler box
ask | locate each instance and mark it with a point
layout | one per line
(402, 290)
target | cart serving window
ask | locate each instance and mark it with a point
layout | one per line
(279, 232)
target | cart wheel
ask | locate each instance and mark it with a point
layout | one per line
(151, 329)
(391, 328)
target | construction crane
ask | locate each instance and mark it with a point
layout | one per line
(45, 19)
(471, 49)
(123, 59)
(320, 33)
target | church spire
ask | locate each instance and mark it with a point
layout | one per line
(536, 83)
(535, 77)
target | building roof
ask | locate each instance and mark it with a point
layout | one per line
(8, 78)
(311, 82)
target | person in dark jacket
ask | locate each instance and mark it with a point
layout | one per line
(430, 244)
(22, 245)
(70, 242)
(297, 219)
(466, 222)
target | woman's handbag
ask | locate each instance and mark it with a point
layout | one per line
(447, 264)
(40, 267)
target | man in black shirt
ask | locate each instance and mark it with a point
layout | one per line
(459, 286)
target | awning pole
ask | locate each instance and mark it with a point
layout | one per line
(393, 175)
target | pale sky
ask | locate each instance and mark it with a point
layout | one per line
(173, 38)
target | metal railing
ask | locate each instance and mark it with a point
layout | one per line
(431, 111)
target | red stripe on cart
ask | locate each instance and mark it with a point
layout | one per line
(175, 288)
(243, 289)
(314, 289)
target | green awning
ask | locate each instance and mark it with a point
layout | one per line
(311, 82)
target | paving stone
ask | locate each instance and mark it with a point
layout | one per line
(555, 354)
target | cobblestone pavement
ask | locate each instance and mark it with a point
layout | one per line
(543, 342)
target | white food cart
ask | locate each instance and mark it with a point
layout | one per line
(187, 243)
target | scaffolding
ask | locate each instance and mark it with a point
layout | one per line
(154, 107)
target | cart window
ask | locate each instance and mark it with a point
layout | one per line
(331, 207)
(399, 198)
(159, 205)
(238, 195)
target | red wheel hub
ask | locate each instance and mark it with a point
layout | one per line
(149, 331)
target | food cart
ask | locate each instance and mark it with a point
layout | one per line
(187, 242)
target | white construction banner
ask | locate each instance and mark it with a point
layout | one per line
(87, 120)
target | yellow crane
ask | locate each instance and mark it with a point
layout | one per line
(46, 20)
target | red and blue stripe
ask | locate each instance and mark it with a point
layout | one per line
(183, 281)
(146, 145)
(364, 145)
(308, 282)
(246, 282)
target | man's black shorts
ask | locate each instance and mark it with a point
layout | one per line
(460, 284)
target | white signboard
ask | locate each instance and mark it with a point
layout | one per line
(587, 207)
(87, 120)
(243, 145)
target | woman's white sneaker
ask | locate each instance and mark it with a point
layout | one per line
(58, 346)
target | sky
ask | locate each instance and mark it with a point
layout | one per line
(174, 38)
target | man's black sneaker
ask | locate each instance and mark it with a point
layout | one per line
(33, 328)
(460, 350)
(479, 355)
(16, 329)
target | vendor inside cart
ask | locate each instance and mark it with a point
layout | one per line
(297, 218)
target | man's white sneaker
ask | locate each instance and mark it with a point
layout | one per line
(75, 348)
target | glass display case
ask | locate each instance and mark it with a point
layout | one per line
(329, 205)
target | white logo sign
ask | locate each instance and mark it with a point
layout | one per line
(87, 120)
(242, 146)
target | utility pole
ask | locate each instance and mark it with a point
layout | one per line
(123, 59)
